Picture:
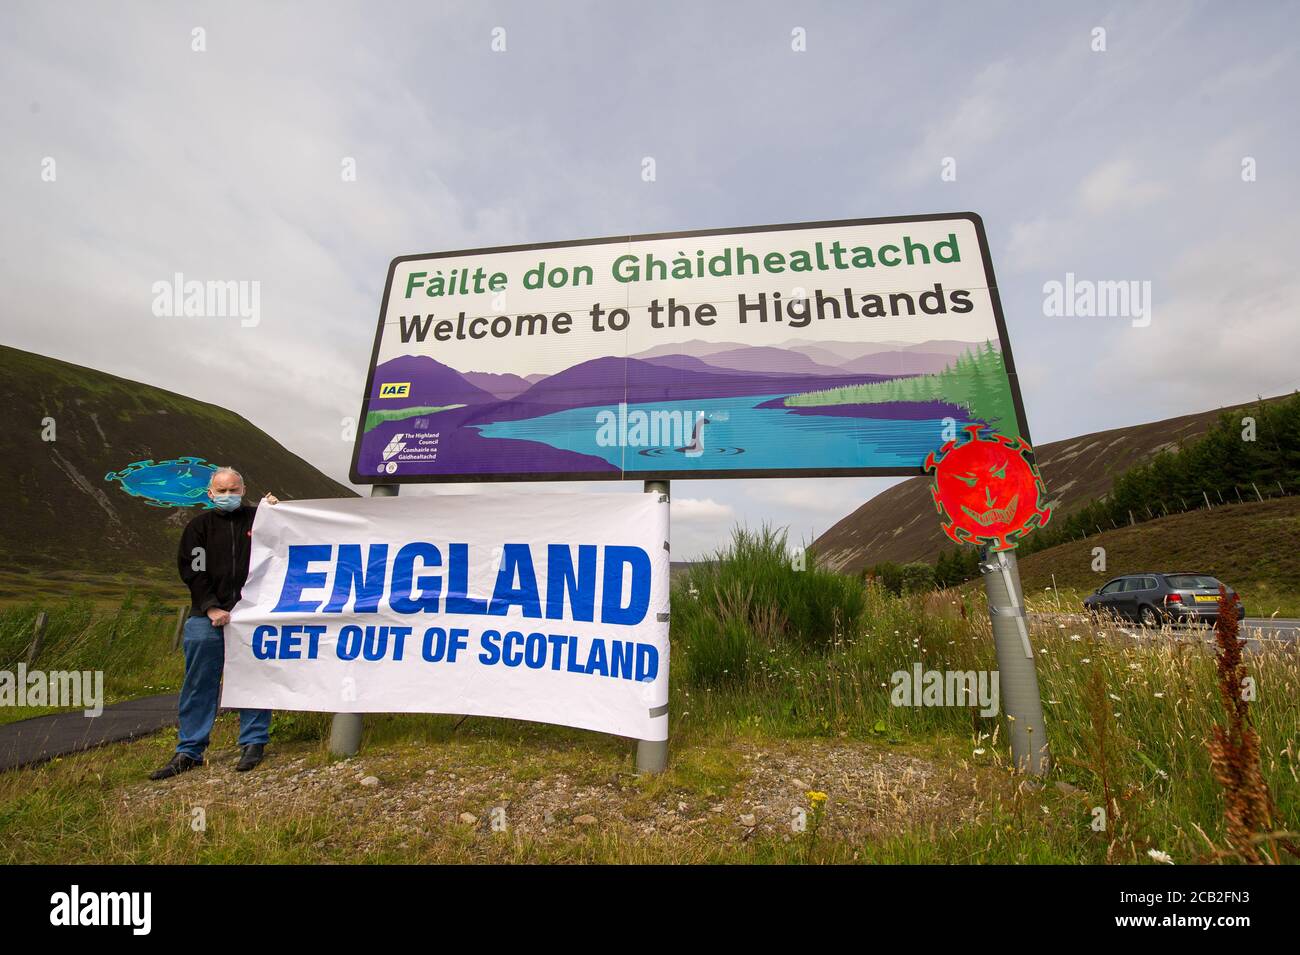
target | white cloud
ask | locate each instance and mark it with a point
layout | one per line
(1035, 244)
(695, 510)
(810, 495)
(976, 119)
(1119, 183)
(700, 526)
(1226, 331)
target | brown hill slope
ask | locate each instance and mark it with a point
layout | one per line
(62, 511)
(901, 524)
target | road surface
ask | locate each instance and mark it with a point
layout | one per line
(1279, 628)
(1256, 631)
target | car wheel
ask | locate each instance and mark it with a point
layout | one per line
(1149, 617)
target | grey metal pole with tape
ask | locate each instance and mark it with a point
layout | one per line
(345, 731)
(652, 754)
(1018, 678)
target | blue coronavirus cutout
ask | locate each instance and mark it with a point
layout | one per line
(181, 482)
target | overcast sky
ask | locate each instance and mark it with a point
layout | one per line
(225, 163)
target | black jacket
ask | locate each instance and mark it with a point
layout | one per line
(226, 539)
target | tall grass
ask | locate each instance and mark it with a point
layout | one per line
(752, 605)
(1129, 712)
(130, 643)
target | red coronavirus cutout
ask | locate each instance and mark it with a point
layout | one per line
(987, 490)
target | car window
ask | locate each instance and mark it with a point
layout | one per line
(1136, 583)
(1192, 582)
(1113, 587)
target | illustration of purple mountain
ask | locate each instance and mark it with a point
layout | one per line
(687, 363)
(765, 359)
(430, 383)
(842, 354)
(735, 356)
(502, 386)
(822, 354)
(598, 382)
(594, 382)
(899, 363)
(694, 348)
(822, 358)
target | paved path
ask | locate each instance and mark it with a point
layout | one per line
(44, 737)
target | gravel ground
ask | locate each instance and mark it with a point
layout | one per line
(870, 791)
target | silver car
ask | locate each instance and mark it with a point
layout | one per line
(1152, 599)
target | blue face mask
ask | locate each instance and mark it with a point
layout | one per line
(227, 502)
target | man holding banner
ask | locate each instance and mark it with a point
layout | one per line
(213, 562)
(549, 607)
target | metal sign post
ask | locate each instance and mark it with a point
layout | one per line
(1018, 678)
(345, 731)
(651, 754)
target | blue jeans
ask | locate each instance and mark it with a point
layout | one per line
(205, 655)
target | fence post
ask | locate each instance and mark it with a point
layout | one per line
(1257, 494)
(181, 613)
(652, 754)
(112, 631)
(38, 638)
(345, 729)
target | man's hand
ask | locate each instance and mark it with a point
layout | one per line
(270, 498)
(219, 617)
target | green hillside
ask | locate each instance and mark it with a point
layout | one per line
(1254, 547)
(67, 528)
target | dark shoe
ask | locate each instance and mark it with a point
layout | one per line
(179, 763)
(252, 756)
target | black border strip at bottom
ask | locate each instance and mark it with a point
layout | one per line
(924, 903)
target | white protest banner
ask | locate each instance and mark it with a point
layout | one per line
(546, 607)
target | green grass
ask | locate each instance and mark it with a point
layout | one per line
(376, 418)
(23, 582)
(769, 663)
